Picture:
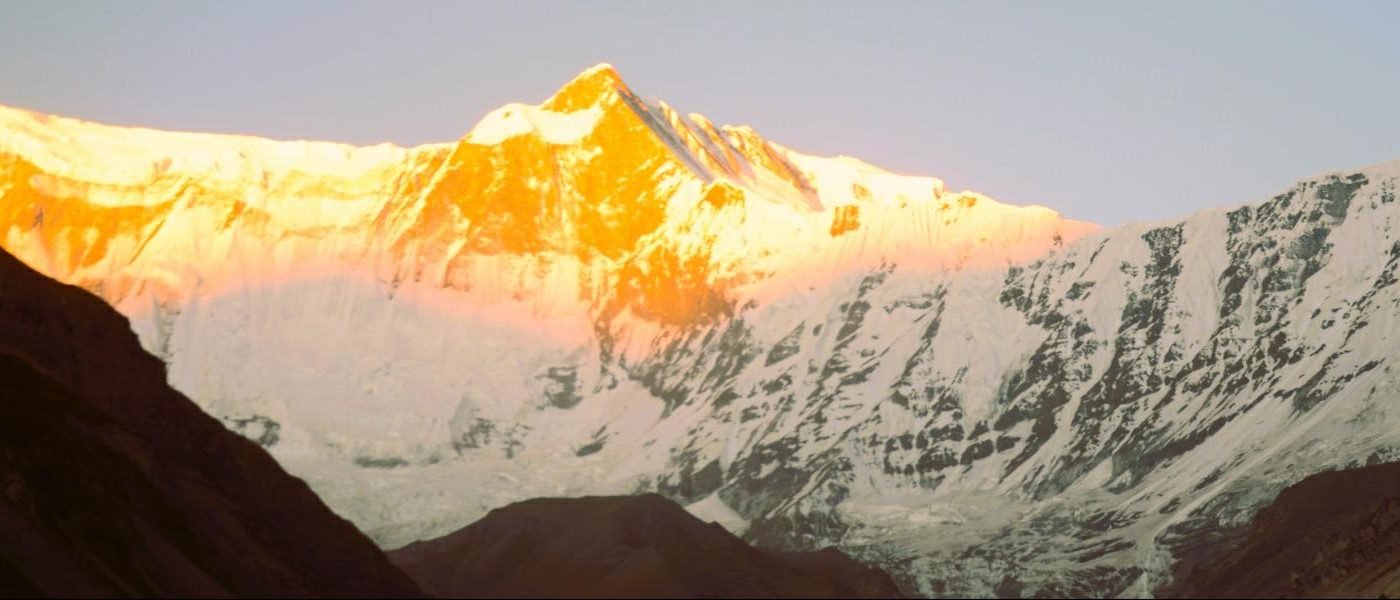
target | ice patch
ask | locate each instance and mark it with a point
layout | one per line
(518, 119)
(712, 509)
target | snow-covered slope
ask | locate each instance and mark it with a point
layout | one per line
(377, 297)
(1067, 426)
(601, 295)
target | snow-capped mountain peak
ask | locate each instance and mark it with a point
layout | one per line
(602, 294)
(596, 85)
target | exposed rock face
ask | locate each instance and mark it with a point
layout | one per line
(1063, 427)
(114, 484)
(1331, 535)
(844, 219)
(623, 547)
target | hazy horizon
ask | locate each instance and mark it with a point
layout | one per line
(1103, 112)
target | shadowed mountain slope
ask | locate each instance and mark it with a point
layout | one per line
(623, 546)
(114, 484)
(1332, 535)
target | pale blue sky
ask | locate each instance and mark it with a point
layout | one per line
(1106, 111)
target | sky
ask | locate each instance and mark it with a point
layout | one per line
(1110, 112)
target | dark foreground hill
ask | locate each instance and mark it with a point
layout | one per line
(1331, 535)
(114, 484)
(622, 547)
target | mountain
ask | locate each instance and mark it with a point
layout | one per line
(623, 547)
(409, 307)
(598, 296)
(1331, 535)
(117, 485)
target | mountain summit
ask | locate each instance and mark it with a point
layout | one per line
(591, 87)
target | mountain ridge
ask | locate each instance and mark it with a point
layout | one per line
(417, 195)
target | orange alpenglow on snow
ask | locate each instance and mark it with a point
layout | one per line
(593, 206)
